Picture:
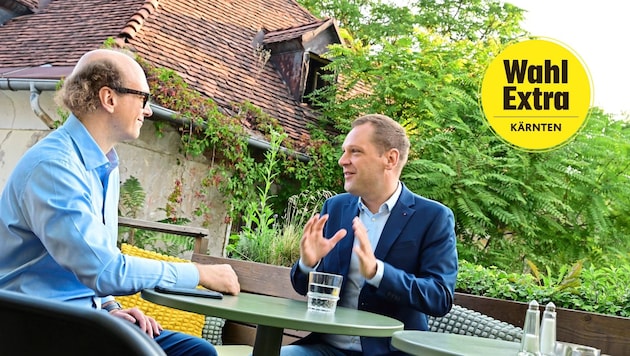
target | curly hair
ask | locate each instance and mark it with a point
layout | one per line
(80, 91)
(387, 134)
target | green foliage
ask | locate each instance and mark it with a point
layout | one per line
(167, 244)
(594, 289)
(236, 170)
(264, 237)
(61, 112)
(259, 219)
(304, 205)
(423, 64)
(374, 22)
(551, 208)
(132, 198)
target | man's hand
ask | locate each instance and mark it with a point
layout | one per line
(219, 277)
(134, 315)
(314, 246)
(367, 260)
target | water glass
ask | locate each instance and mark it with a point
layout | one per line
(323, 291)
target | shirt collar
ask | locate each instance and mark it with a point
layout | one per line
(89, 150)
(388, 205)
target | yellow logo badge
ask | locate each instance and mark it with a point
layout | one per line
(536, 94)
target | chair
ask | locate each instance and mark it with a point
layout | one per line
(465, 321)
(36, 326)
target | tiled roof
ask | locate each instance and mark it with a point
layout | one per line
(31, 4)
(52, 73)
(208, 42)
(61, 33)
(292, 33)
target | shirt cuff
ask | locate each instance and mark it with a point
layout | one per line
(306, 269)
(109, 298)
(187, 275)
(380, 269)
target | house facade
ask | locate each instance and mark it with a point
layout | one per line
(269, 54)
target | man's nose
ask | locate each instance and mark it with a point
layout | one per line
(147, 111)
(343, 160)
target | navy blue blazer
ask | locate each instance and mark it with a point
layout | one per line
(418, 249)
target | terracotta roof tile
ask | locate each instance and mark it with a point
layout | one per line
(62, 33)
(291, 33)
(31, 4)
(208, 42)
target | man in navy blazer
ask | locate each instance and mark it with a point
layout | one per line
(395, 249)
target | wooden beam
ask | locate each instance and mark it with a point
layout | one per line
(200, 234)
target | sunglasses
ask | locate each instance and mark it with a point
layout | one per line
(145, 96)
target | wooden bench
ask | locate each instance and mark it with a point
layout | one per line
(275, 281)
(606, 332)
(609, 333)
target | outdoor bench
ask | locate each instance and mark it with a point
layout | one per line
(606, 332)
(274, 281)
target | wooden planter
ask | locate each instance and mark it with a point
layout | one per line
(610, 334)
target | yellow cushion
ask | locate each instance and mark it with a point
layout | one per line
(169, 318)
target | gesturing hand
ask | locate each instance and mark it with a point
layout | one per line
(363, 249)
(314, 246)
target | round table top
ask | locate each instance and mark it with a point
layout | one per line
(433, 343)
(282, 313)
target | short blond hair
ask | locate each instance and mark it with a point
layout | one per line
(387, 134)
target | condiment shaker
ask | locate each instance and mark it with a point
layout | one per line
(531, 331)
(548, 330)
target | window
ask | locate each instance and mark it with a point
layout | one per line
(314, 77)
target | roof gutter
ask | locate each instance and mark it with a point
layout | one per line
(35, 86)
(163, 114)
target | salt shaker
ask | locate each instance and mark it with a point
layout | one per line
(531, 331)
(548, 330)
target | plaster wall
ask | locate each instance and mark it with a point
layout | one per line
(155, 161)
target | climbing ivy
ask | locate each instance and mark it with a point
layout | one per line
(236, 169)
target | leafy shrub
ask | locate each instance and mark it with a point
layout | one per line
(602, 290)
(132, 198)
(264, 236)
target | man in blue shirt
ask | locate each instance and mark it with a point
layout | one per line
(59, 208)
(396, 250)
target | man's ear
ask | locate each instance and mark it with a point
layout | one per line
(392, 156)
(107, 98)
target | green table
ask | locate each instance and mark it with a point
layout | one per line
(432, 344)
(273, 315)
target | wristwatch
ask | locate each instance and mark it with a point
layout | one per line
(111, 305)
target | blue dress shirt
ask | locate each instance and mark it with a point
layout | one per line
(59, 226)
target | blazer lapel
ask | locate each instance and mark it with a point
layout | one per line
(398, 218)
(349, 211)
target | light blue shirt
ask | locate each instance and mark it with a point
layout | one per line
(59, 226)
